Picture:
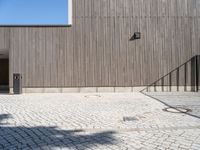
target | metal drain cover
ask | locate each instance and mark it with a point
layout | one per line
(129, 119)
(177, 110)
(92, 96)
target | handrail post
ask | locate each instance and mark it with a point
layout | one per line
(170, 82)
(185, 76)
(197, 73)
(155, 90)
(193, 74)
(162, 84)
(177, 79)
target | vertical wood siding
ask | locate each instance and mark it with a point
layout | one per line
(4, 38)
(97, 51)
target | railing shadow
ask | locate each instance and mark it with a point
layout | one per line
(21, 137)
(184, 78)
(190, 102)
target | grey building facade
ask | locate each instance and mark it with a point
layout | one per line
(98, 51)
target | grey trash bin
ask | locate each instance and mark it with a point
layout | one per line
(17, 83)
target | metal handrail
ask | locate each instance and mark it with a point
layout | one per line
(197, 69)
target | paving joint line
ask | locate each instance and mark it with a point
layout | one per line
(138, 129)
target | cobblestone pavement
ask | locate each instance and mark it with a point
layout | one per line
(184, 100)
(125, 121)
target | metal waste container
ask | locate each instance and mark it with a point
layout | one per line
(17, 83)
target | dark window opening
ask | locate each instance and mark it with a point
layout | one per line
(4, 75)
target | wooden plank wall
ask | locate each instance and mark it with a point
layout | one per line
(97, 51)
(4, 38)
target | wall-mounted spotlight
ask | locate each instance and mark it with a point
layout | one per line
(136, 35)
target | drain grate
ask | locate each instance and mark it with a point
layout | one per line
(129, 119)
(177, 110)
(92, 96)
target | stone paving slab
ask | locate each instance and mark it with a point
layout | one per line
(124, 121)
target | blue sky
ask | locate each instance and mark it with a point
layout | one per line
(33, 12)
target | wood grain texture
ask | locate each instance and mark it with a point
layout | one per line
(4, 38)
(97, 50)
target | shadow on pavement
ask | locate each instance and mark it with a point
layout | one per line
(43, 137)
(190, 101)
